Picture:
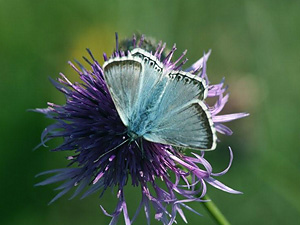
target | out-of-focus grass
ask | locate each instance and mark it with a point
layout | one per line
(255, 46)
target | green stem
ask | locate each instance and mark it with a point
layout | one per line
(214, 211)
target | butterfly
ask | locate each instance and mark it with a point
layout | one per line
(158, 104)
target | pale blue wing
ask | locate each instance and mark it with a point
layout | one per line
(189, 127)
(122, 76)
(151, 79)
(131, 80)
(151, 88)
(182, 88)
(181, 118)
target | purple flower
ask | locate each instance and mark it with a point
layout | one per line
(92, 129)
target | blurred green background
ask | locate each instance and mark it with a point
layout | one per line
(255, 45)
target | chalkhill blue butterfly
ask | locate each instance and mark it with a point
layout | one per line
(159, 104)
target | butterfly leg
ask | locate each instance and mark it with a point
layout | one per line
(142, 149)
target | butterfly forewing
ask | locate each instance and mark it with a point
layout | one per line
(181, 89)
(123, 78)
(151, 85)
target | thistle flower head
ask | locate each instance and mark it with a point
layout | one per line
(95, 135)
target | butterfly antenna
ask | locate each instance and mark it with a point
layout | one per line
(119, 145)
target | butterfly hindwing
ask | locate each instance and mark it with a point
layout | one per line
(189, 126)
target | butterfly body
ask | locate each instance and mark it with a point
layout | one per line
(159, 104)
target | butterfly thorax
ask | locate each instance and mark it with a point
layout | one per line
(141, 121)
(140, 125)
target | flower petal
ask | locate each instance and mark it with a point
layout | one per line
(229, 117)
